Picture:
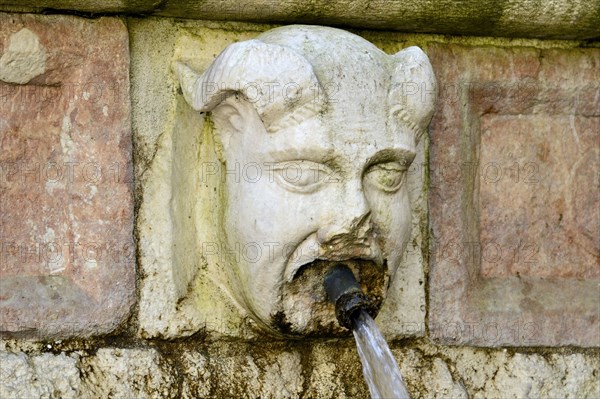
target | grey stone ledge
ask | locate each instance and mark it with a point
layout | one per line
(545, 19)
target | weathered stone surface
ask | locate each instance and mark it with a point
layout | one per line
(41, 376)
(529, 18)
(525, 18)
(498, 374)
(23, 59)
(428, 378)
(227, 371)
(179, 295)
(92, 6)
(153, 86)
(292, 370)
(539, 201)
(437, 372)
(67, 265)
(335, 373)
(127, 373)
(515, 245)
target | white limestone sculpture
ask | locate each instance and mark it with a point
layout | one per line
(314, 129)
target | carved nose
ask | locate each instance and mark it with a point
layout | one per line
(351, 223)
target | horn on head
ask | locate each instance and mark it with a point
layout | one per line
(274, 78)
(414, 89)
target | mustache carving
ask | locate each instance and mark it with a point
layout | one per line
(337, 250)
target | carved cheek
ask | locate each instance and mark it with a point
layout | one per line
(390, 213)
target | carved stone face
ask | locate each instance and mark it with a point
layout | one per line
(319, 177)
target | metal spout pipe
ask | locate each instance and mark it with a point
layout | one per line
(344, 292)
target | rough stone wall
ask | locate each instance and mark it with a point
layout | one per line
(198, 368)
(493, 88)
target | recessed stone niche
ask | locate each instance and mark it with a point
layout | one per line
(180, 294)
(515, 222)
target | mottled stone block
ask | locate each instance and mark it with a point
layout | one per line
(39, 376)
(67, 264)
(515, 223)
(127, 373)
(537, 196)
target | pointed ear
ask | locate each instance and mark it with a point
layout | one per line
(228, 117)
(414, 89)
(235, 116)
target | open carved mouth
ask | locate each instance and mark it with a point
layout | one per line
(306, 309)
(310, 251)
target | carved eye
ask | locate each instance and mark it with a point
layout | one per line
(302, 176)
(387, 176)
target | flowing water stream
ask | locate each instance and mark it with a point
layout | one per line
(379, 366)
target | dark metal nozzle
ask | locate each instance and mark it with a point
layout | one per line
(344, 292)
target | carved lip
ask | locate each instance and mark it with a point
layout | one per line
(310, 250)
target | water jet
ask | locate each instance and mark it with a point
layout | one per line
(355, 311)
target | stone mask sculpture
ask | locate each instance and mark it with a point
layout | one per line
(314, 129)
